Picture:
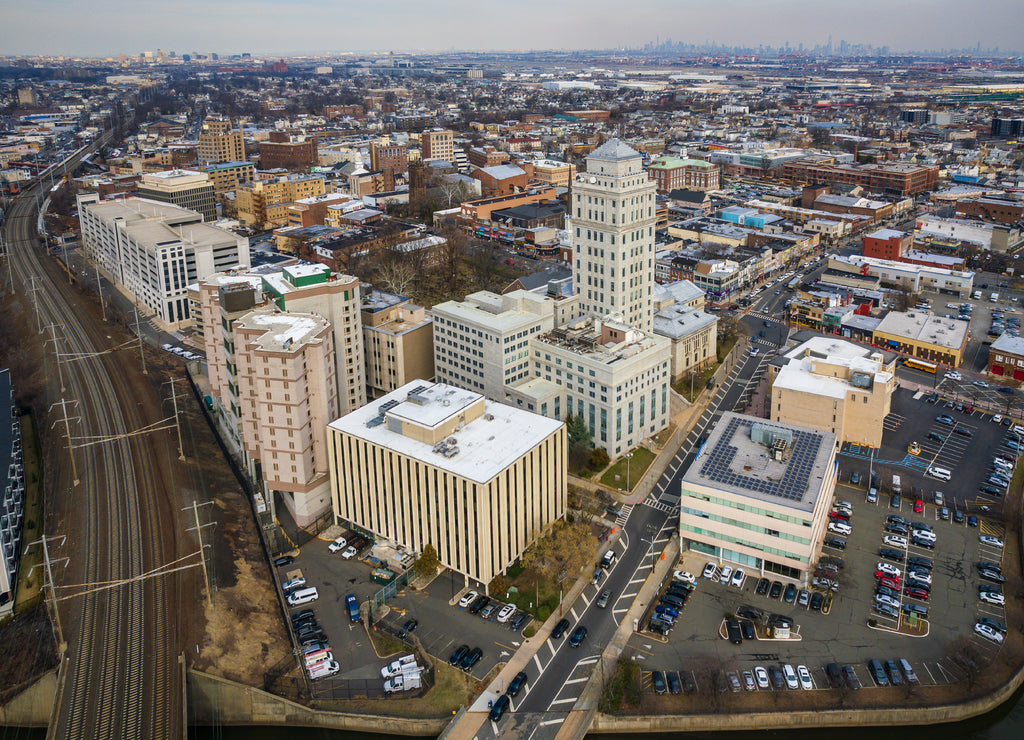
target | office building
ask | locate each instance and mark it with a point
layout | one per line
(758, 495)
(553, 173)
(286, 151)
(389, 156)
(398, 341)
(613, 376)
(156, 250)
(433, 464)
(227, 176)
(895, 178)
(673, 173)
(886, 244)
(836, 386)
(1006, 357)
(438, 144)
(219, 142)
(183, 188)
(693, 334)
(264, 203)
(12, 505)
(924, 336)
(612, 219)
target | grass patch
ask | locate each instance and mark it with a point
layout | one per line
(661, 438)
(29, 591)
(385, 644)
(624, 686)
(637, 466)
(452, 689)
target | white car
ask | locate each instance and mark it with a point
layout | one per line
(725, 574)
(997, 418)
(468, 599)
(920, 576)
(682, 575)
(954, 375)
(761, 676)
(710, 570)
(754, 350)
(889, 569)
(349, 553)
(839, 528)
(990, 598)
(506, 613)
(895, 541)
(993, 541)
(737, 578)
(790, 676)
(987, 632)
(338, 545)
(805, 678)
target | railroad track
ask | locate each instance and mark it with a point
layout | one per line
(122, 677)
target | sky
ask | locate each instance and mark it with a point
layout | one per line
(263, 27)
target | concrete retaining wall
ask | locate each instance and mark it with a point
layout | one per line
(218, 701)
(32, 707)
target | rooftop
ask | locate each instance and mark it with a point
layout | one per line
(283, 332)
(1009, 344)
(154, 224)
(732, 461)
(921, 326)
(485, 445)
(886, 234)
(679, 321)
(866, 366)
(614, 149)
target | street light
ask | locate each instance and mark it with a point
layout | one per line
(629, 481)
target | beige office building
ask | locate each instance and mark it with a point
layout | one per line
(758, 495)
(438, 144)
(553, 172)
(431, 463)
(265, 202)
(219, 142)
(184, 188)
(227, 176)
(612, 229)
(836, 386)
(397, 341)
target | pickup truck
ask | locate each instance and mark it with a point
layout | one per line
(404, 682)
(352, 604)
(389, 671)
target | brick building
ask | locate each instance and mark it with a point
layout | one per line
(219, 142)
(438, 144)
(389, 157)
(901, 178)
(886, 244)
(288, 151)
(991, 209)
(486, 156)
(672, 173)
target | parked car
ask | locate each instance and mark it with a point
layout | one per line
(790, 594)
(468, 599)
(776, 590)
(877, 672)
(560, 628)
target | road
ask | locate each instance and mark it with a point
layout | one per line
(558, 671)
(120, 677)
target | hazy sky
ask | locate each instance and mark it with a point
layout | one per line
(107, 27)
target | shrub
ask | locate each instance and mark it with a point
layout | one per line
(872, 622)
(599, 458)
(552, 602)
(543, 612)
(529, 631)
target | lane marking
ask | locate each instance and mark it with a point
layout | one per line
(563, 701)
(536, 660)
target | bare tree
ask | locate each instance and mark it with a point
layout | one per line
(966, 655)
(396, 276)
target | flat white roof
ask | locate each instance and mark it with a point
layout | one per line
(487, 445)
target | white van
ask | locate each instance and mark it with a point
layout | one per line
(323, 670)
(896, 484)
(940, 473)
(303, 596)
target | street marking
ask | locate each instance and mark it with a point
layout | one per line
(575, 680)
(562, 701)
(574, 617)
(587, 661)
(584, 597)
(552, 647)
(558, 721)
(540, 668)
(505, 646)
(636, 580)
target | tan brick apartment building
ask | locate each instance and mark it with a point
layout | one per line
(672, 173)
(398, 340)
(219, 142)
(288, 151)
(389, 156)
(891, 179)
(265, 202)
(438, 144)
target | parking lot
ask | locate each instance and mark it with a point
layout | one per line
(440, 627)
(840, 633)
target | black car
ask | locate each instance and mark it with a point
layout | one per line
(732, 627)
(658, 681)
(471, 658)
(780, 620)
(498, 708)
(747, 628)
(920, 562)
(999, 626)
(672, 600)
(877, 672)
(458, 654)
(479, 603)
(851, 677)
(778, 680)
(283, 561)
(790, 594)
(991, 491)
(894, 501)
(673, 682)
(409, 626)
(890, 554)
(776, 590)
(658, 627)
(963, 431)
(895, 677)
(689, 685)
(750, 612)
(304, 624)
(560, 628)
(817, 599)
(958, 516)
(837, 542)
(989, 565)
(516, 684)
(518, 621)
(299, 616)
(578, 636)
(763, 584)
(834, 675)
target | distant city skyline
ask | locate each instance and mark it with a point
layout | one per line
(62, 27)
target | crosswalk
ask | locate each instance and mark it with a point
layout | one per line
(657, 503)
(623, 517)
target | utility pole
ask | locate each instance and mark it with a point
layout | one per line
(202, 551)
(35, 302)
(142, 358)
(67, 262)
(67, 432)
(48, 564)
(56, 353)
(177, 422)
(99, 287)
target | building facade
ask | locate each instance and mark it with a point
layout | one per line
(438, 144)
(219, 142)
(433, 464)
(389, 156)
(227, 176)
(758, 495)
(398, 341)
(612, 222)
(182, 188)
(886, 244)
(12, 505)
(156, 250)
(836, 386)
(288, 152)
(672, 173)
(265, 202)
(1006, 357)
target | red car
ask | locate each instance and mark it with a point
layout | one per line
(884, 580)
(918, 506)
(838, 516)
(917, 593)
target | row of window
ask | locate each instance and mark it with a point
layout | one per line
(744, 543)
(745, 525)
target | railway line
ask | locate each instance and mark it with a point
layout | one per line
(120, 677)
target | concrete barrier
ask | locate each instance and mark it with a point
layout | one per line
(33, 706)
